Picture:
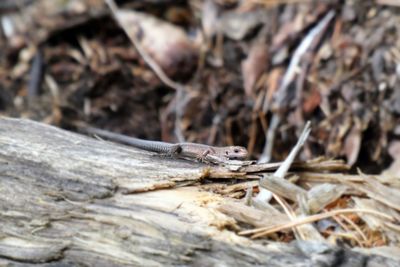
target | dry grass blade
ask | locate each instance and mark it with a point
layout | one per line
(289, 212)
(357, 229)
(263, 231)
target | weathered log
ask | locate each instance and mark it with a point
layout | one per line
(64, 202)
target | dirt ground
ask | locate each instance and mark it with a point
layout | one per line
(246, 73)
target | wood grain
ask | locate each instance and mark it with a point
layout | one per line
(64, 202)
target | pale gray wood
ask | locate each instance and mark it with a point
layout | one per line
(63, 203)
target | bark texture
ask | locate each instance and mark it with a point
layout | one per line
(71, 200)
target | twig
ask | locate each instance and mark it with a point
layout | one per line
(259, 232)
(316, 36)
(289, 160)
(298, 54)
(265, 194)
(290, 74)
(289, 212)
(357, 229)
(269, 140)
(35, 77)
(353, 74)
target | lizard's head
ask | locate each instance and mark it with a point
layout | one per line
(235, 152)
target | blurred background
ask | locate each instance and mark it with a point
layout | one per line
(219, 72)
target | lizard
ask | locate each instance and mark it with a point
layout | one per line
(185, 150)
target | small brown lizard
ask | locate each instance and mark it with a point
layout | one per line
(184, 150)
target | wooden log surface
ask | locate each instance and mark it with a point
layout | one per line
(71, 200)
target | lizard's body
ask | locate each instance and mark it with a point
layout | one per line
(187, 150)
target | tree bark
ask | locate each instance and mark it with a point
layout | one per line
(64, 202)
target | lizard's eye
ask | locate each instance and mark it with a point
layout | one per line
(236, 150)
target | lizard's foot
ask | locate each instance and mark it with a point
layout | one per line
(203, 157)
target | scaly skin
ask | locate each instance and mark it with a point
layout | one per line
(186, 150)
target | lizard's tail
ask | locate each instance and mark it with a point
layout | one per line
(155, 146)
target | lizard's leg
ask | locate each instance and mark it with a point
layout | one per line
(208, 152)
(203, 156)
(175, 150)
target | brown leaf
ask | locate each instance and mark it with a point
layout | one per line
(166, 43)
(352, 143)
(312, 101)
(254, 66)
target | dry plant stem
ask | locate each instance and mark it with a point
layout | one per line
(357, 229)
(283, 169)
(353, 74)
(307, 61)
(329, 177)
(346, 228)
(290, 76)
(259, 232)
(308, 230)
(289, 212)
(319, 166)
(179, 111)
(348, 236)
(340, 222)
(36, 77)
(269, 137)
(298, 54)
(265, 195)
(55, 94)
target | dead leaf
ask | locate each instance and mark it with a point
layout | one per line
(166, 43)
(352, 143)
(312, 101)
(254, 66)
